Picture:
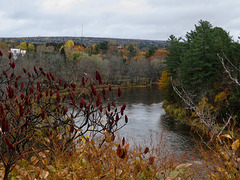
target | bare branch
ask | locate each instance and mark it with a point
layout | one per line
(227, 70)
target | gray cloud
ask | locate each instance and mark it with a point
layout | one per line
(141, 19)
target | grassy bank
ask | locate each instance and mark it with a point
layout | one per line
(175, 111)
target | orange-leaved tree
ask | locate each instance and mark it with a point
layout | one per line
(34, 104)
(164, 81)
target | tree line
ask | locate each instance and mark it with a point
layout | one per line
(116, 62)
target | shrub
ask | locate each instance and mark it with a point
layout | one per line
(33, 106)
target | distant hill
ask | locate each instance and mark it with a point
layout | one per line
(85, 40)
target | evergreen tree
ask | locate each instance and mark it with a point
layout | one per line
(173, 60)
(200, 64)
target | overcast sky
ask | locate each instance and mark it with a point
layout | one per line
(135, 19)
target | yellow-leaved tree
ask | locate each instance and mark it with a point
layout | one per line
(164, 82)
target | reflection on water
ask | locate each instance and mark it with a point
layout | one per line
(145, 112)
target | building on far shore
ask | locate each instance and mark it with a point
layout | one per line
(17, 52)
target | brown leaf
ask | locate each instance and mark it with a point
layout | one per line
(44, 174)
(118, 172)
(120, 151)
(235, 145)
(123, 141)
(146, 150)
(226, 136)
(126, 146)
(151, 160)
(42, 155)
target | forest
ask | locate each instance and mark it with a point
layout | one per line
(59, 119)
(200, 83)
(119, 63)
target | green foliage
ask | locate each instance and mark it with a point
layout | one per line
(103, 46)
(173, 60)
(132, 50)
(31, 48)
(151, 51)
(200, 65)
(193, 62)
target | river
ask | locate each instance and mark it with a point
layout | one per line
(145, 114)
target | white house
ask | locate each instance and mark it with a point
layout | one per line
(16, 52)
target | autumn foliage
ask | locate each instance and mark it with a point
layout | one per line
(164, 81)
(35, 104)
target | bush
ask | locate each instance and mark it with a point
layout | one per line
(33, 107)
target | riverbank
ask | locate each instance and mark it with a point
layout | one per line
(175, 111)
(179, 115)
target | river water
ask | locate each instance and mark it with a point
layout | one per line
(146, 115)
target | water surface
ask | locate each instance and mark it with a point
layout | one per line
(145, 112)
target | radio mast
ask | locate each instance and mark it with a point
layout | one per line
(82, 36)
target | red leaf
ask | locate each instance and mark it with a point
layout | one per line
(123, 108)
(60, 81)
(72, 128)
(99, 100)
(10, 92)
(35, 69)
(46, 92)
(27, 100)
(65, 110)
(16, 84)
(21, 87)
(57, 87)
(82, 103)
(31, 88)
(51, 92)
(12, 65)
(10, 55)
(98, 77)
(48, 77)
(18, 77)
(5, 125)
(7, 106)
(93, 90)
(110, 87)
(43, 114)
(29, 75)
(58, 97)
(38, 86)
(1, 109)
(24, 70)
(10, 145)
(53, 78)
(117, 117)
(21, 112)
(123, 141)
(43, 73)
(5, 73)
(146, 150)
(126, 119)
(103, 91)
(119, 92)
(83, 81)
(73, 85)
(11, 76)
(65, 85)
(22, 96)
